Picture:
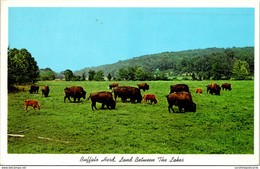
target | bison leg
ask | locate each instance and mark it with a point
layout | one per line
(123, 99)
(180, 109)
(108, 106)
(93, 105)
(169, 108)
(68, 98)
(103, 106)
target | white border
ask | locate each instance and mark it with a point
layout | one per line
(74, 159)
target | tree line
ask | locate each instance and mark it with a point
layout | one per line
(200, 64)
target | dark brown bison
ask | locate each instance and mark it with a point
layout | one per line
(226, 86)
(198, 90)
(112, 85)
(34, 89)
(213, 88)
(143, 86)
(45, 91)
(179, 88)
(33, 103)
(104, 97)
(76, 92)
(126, 92)
(150, 97)
(182, 100)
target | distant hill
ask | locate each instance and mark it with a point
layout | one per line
(198, 60)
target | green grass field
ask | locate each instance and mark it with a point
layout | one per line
(221, 125)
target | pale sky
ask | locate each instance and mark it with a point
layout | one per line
(76, 38)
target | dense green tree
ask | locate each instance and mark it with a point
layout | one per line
(140, 74)
(217, 71)
(241, 70)
(47, 74)
(200, 76)
(157, 73)
(123, 74)
(193, 76)
(99, 76)
(68, 75)
(131, 73)
(109, 77)
(76, 78)
(22, 67)
(163, 76)
(83, 78)
(91, 75)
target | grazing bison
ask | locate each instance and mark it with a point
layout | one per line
(104, 97)
(76, 92)
(32, 103)
(126, 92)
(198, 90)
(213, 88)
(112, 85)
(226, 86)
(34, 89)
(45, 91)
(150, 97)
(179, 88)
(143, 86)
(182, 100)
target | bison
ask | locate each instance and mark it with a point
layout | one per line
(33, 103)
(198, 90)
(76, 92)
(45, 91)
(226, 86)
(182, 100)
(179, 88)
(34, 89)
(126, 92)
(213, 88)
(104, 97)
(143, 86)
(112, 85)
(150, 97)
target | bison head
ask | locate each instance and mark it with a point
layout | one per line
(147, 87)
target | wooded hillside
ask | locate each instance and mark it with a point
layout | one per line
(199, 61)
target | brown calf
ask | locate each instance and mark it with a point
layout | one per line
(150, 97)
(198, 90)
(32, 103)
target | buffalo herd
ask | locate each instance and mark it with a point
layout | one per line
(179, 95)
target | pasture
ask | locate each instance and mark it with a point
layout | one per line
(221, 125)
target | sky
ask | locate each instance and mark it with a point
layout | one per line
(63, 38)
